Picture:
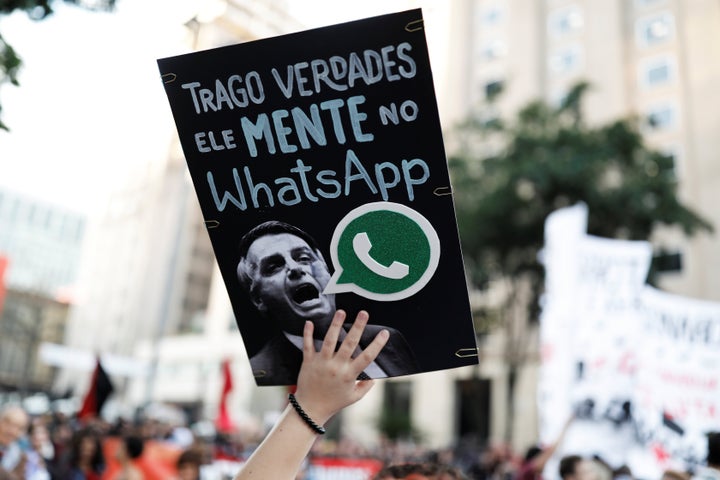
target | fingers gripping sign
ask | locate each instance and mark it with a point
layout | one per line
(327, 382)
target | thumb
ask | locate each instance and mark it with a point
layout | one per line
(362, 388)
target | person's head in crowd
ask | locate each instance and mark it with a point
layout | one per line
(622, 473)
(532, 452)
(284, 273)
(130, 448)
(713, 455)
(40, 438)
(13, 424)
(675, 475)
(420, 471)
(188, 464)
(599, 469)
(86, 451)
(575, 467)
(61, 435)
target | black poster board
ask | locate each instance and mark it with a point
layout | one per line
(335, 132)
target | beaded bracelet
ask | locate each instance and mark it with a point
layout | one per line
(316, 428)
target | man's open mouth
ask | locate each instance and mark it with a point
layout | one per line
(304, 293)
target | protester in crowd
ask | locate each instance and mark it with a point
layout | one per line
(575, 467)
(188, 464)
(420, 471)
(569, 465)
(129, 450)
(622, 473)
(284, 274)
(13, 425)
(39, 452)
(537, 457)
(84, 460)
(495, 462)
(712, 470)
(61, 435)
(675, 475)
(600, 469)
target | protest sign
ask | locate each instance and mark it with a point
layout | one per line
(637, 367)
(677, 395)
(334, 132)
(589, 332)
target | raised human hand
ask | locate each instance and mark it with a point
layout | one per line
(327, 382)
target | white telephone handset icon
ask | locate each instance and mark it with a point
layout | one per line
(362, 246)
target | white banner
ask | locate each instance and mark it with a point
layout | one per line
(677, 394)
(639, 368)
(564, 230)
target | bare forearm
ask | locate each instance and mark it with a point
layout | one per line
(282, 452)
(326, 384)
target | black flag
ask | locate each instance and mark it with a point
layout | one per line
(100, 389)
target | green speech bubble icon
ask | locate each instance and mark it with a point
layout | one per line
(383, 251)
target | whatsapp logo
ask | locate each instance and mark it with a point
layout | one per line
(383, 251)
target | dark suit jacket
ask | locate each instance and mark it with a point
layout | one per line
(278, 362)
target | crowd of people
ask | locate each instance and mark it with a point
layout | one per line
(52, 446)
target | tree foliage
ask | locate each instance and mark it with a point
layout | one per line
(10, 62)
(508, 176)
(547, 158)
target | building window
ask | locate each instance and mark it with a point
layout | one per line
(473, 408)
(566, 60)
(493, 89)
(654, 30)
(657, 71)
(491, 15)
(662, 117)
(666, 261)
(639, 4)
(395, 418)
(494, 50)
(566, 21)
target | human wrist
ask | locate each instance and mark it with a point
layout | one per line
(313, 409)
(307, 419)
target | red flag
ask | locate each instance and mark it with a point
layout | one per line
(223, 422)
(3, 268)
(99, 391)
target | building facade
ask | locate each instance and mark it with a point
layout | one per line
(42, 243)
(28, 320)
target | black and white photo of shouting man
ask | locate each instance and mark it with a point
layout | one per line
(284, 274)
